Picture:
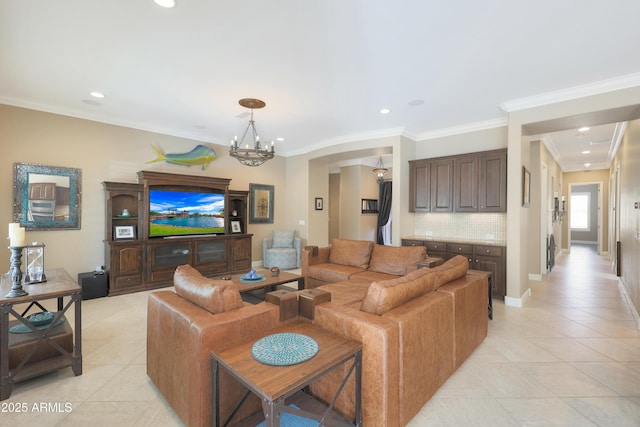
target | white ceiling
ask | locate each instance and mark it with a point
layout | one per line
(324, 68)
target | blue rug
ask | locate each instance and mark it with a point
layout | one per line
(290, 420)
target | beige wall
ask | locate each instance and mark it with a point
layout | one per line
(540, 211)
(111, 153)
(334, 206)
(628, 160)
(469, 142)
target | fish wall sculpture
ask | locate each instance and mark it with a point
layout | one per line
(200, 155)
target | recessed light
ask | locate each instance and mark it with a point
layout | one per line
(584, 129)
(586, 152)
(97, 94)
(279, 139)
(586, 165)
(385, 111)
(165, 3)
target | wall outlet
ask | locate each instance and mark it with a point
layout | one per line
(429, 233)
(301, 222)
(490, 236)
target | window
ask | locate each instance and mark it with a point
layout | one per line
(580, 203)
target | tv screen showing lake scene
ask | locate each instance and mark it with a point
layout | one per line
(177, 213)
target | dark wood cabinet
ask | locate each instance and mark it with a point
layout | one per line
(126, 267)
(466, 184)
(420, 186)
(436, 249)
(442, 185)
(137, 262)
(481, 257)
(475, 182)
(237, 211)
(492, 193)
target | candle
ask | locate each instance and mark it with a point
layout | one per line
(16, 234)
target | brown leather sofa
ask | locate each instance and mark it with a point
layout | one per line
(416, 330)
(182, 329)
(357, 259)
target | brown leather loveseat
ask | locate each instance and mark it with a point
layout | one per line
(357, 259)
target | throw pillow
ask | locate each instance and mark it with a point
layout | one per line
(355, 253)
(215, 296)
(451, 270)
(388, 294)
(283, 239)
(396, 259)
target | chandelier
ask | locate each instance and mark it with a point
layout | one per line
(256, 155)
(380, 171)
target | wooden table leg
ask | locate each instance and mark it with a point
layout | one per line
(6, 382)
(77, 347)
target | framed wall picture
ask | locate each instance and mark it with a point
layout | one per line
(236, 227)
(261, 204)
(124, 232)
(526, 187)
(46, 197)
(319, 203)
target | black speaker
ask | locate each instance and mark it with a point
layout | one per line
(94, 285)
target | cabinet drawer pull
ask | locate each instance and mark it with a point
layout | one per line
(488, 250)
(477, 260)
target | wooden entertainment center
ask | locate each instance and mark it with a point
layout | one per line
(137, 262)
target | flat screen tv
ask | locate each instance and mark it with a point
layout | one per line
(182, 213)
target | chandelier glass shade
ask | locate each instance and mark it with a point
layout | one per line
(254, 154)
(380, 171)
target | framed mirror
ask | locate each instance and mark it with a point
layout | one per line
(261, 204)
(46, 197)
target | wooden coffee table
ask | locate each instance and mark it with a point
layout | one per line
(273, 384)
(269, 283)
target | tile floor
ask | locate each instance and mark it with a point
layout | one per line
(569, 357)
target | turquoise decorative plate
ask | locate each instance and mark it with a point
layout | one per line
(284, 349)
(257, 278)
(40, 320)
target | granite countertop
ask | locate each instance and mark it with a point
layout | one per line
(492, 242)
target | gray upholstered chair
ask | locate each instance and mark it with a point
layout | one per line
(282, 250)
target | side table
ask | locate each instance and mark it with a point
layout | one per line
(273, 384)
(59, 285)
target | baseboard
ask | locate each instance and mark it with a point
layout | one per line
(517, 302)
(632, 307)
(535, 277)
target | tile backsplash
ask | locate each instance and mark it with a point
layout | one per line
(471, 226)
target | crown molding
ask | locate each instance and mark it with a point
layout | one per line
(465, 128)
(346, 139)
(581, 91)
(550, 144)
(76, 114)
(618, 133)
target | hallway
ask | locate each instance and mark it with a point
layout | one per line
(569, 357)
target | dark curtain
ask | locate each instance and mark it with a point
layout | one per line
(384, 208)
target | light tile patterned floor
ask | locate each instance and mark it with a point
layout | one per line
(569, 357)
